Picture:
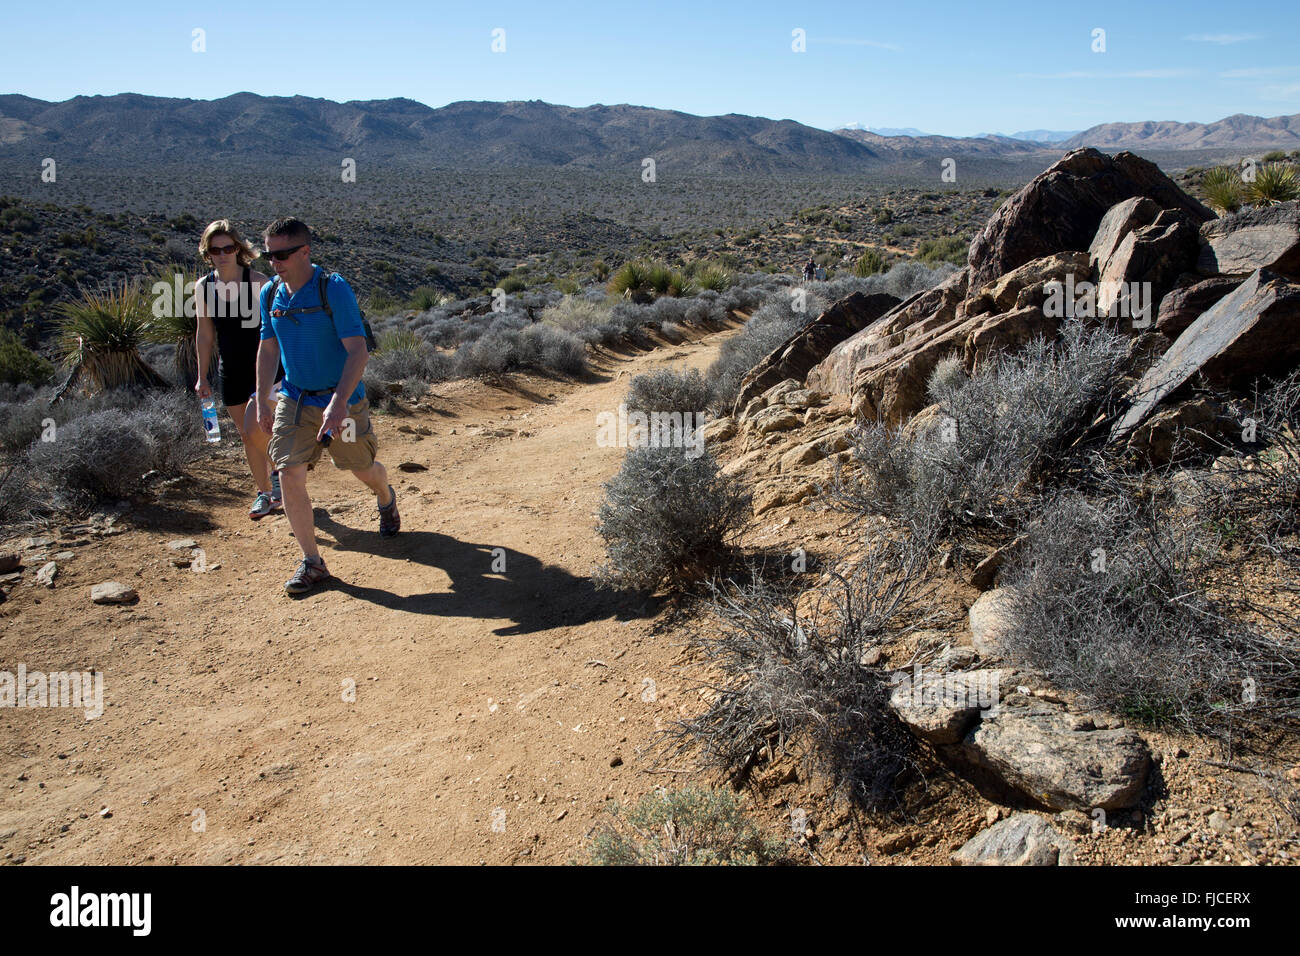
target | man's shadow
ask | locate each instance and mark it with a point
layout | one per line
(487, 581)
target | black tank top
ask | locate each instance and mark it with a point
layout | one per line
(238, 321)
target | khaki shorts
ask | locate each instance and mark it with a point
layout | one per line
(293, 437)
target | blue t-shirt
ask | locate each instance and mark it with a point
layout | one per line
(311, 347)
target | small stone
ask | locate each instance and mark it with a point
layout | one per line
(111, 592)
(182, 544)
(412, 466)
(10, 562)
(616, 762)
(1220, 822)
(64, 556)
(46, 574)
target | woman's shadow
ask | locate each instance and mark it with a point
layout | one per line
(487, 581)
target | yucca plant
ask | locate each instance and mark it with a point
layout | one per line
(632, 278)
(1274, 183)
(174, 324)
(99, 337)
(1223, 189)
(713, 277)
(400, 340)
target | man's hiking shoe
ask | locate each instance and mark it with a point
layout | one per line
(390, 522)
(309, 574)
(262, 506)
(277, 500)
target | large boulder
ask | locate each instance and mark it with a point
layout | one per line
(940, 707)
(1267, 238)
(1058, 759)
(808, 346)
(1251, 332)
(1190, 296)
(1062, 208)
(1022, 839)
(1120, 219)
(834, 374)
(1144, 266)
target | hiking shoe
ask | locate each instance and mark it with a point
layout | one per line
(262, 506)
(277, 500)
(309, 574)
(390, 522)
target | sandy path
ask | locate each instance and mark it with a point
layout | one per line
(489, 706)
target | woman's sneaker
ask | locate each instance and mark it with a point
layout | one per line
(390, 522)
(277, 500)
(311, 571)
(262, 506)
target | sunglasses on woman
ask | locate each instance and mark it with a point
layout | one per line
(279, 255)
(221, 250)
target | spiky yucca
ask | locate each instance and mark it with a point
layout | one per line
(176, 326)
(1274, 183)
(1223, 189)
(102, 334)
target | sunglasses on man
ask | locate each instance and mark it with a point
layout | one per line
(279, 255)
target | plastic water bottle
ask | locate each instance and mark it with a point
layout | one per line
(211, 427)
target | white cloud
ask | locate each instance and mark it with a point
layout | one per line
(1254, 72)
(1289, 92)
(1093, 75)
(1222, 39)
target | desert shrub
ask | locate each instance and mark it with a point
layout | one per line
(1115, 599)
(770, 325)
(173, 421)
(668, 391)
(667, 518)
(101, 455)
(20, 364)
(631, 277)
(1273, 156)
(550, 349)
(21, 423)
(869, 263)
(512, 284)
(998, 434)
(688, 827)
(786, 672)
(944, 249)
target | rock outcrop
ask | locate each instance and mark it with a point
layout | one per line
(1267, 238)
(808, 346)
(1061, 209)
(1252, 331)
(1188, 299)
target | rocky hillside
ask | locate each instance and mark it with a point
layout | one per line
(1193, 312)
(1238, 131)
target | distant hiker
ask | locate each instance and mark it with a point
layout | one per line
(809, 268)
(311, 321)
(225, 306)
(821, 273)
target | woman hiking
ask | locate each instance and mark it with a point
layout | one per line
(226, 304)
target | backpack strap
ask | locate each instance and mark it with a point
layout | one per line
(323, 280)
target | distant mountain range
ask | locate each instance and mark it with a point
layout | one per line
(1239, 130)
(129, 127)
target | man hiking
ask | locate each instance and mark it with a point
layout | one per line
(322, 345)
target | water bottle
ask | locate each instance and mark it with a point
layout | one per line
(211, 427)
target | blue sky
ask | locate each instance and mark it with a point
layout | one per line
(946, 67)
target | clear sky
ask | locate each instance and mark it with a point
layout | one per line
(945, 67)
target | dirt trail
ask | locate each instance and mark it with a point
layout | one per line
(495, 711)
